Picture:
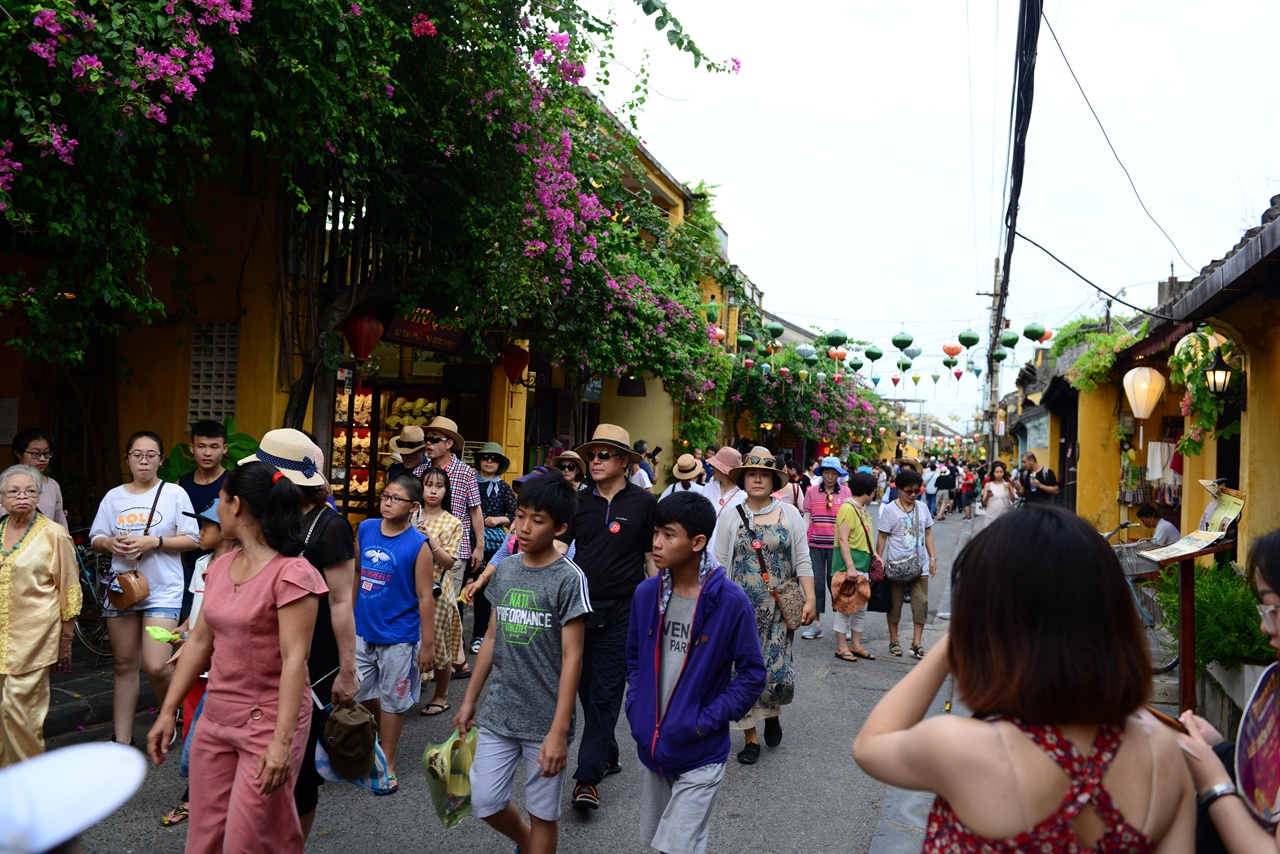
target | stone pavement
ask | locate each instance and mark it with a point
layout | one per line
(81, 697)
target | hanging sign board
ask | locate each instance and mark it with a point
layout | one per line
(419, 329)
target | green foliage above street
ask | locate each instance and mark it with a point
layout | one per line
(1093, 367)
(1206, 410)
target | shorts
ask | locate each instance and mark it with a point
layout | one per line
(675, 812)
(389, 674)
(147, 613)
(494, 770)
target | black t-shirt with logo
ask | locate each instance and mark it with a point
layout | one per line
(329, 541)
(612, 538)
(1044, 477)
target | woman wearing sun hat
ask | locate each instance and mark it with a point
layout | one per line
(572, 467)
(686, 472)
(821, 505)
(498, 505)
(778, 529)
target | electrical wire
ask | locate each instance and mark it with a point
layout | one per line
(973, 166)
(1106, 294)
(1112, 147)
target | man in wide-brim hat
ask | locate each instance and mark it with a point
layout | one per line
(410, 445)
(685, 471)
(613, 532)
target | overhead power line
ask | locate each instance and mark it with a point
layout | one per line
(1106, 294)
(1112, 147)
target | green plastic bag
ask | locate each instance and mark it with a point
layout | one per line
(448, 768)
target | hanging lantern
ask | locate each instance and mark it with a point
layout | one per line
(766, 368)
(950, 361)
(1195, 345)
(784, 371)
(912, 353)
(896, 379)
(1009, 338)
(1143, 388)
(999, 354)
(959, 373)
(803, 375)
(822, 377)
(902, 340)
(952, 348)
(904, 364)
(745, 341)
(967, 338)
(711, 310)
(882, 431)
(835, 338)
(720, 334)
(514, 361)
(841, 354)
(362, 332)
(811, 359)
(875, 381)
(873, 353)
(804, 351)
(936, 376)
(902, 435)
(775, 329)
(1033, 331)
(748, 363)
(838, 378)
(977, 371)
(1048, 333)
(856, 363)
(915, 379)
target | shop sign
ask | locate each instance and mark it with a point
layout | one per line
(594, 389)
(419, 329)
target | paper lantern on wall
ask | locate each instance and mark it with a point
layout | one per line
(362, 332)
(1143, 388)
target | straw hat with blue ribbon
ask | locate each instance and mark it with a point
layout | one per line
(292, 453)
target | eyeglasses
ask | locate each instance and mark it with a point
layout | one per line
(434, 440)
(139, 456)
(396, 499)
(29, 492)
(767, 462)
(567, 466)
(602, 456)
(1268, 614)
(39, 455)
(488, 458)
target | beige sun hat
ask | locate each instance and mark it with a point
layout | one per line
(759, 458)
(687, 467)
(448, 427)
(572, 456)
(410, 439)
(611, 436)
(292, 454)
(726, 460)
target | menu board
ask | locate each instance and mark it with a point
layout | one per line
(1230, 503)
(1188, 545)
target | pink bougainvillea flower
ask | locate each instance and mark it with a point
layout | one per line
(560, 41)
(422, 26)
(355, 10)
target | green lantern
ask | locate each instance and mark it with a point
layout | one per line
(811, 359)
(951, 361)
(902, 340)
(999, 354)
(746, 342)
(775, 329)
(835, 338)
(968, 338)
(856, 363)
(712, 311)
(873, 353)
(1009, 338)
(1033, 331)
(904, 364)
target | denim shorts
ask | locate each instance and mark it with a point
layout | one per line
(147, 613)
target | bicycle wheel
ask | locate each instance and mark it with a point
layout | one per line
(91, 627)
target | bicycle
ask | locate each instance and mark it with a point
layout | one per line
(1161, 645)
(91, 626)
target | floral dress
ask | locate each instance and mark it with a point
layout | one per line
(775, 637)
(446, 531)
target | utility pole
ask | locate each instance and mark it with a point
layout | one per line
(993, 366)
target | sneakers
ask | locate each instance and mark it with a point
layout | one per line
(814, 630)
(585, 796)
(772, 732)
(475, 645)
(750, 754)
(612, 766)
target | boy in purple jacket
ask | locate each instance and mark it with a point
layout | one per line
(693, 665)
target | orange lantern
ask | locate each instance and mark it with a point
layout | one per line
(952, 348)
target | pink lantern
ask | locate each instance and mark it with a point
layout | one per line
(896, 379)
(720, 334)
(958, 372)
(785, 371)
(881, 431)
(839, 378)
(750, 363)
(952, 348)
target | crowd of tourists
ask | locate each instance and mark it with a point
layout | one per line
(584, 589)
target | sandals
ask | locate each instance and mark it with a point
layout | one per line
(862, 653)
(917, 650)
(461, 671)
(846, 655)
(176, 816)
(440, 709)
(393, 786)
(895, 649)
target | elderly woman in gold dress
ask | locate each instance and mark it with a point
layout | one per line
(39, 601)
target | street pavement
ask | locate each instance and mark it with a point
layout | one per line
(806, 795)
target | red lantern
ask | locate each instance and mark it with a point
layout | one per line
(785, 371)
(748, 363)
(362, 332)
(896, 379)
(958, 372)
(839, 378)
(514, 361)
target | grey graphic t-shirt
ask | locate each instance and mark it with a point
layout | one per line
(677, 625)
(530, 605)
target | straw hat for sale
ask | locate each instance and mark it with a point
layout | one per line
(611, 436)
(448, 427)
(410, 439)
(687, 468)
(292, 454)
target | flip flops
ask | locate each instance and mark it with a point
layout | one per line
(846, 655)
(176, 816)
(440, 709)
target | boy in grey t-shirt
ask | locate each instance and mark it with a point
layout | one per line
(531, 658)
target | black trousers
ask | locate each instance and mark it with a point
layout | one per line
(604, 673)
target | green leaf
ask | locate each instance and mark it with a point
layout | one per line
(660, 22)
(673, 36)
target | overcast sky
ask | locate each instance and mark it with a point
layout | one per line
(860, 153)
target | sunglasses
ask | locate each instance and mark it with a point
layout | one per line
(767, 462)
(434, 440)
(568, 466)
(489, 458)
(603, 456)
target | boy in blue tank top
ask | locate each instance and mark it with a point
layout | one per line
(395, 612)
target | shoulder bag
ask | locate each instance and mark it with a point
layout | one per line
(876, 571)
(128, 588)
(905, 570)
(790, 595)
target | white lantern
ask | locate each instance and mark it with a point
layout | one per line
(1142, 388)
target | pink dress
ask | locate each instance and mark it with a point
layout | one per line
(239, 718)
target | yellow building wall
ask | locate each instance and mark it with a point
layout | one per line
(508, 405)
(1098, 468)
(1203, 466)
(652, 418)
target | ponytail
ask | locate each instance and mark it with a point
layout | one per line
(273, 500)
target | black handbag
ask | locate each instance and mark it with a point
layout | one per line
(881, 599)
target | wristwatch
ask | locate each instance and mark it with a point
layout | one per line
(1211, 794)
